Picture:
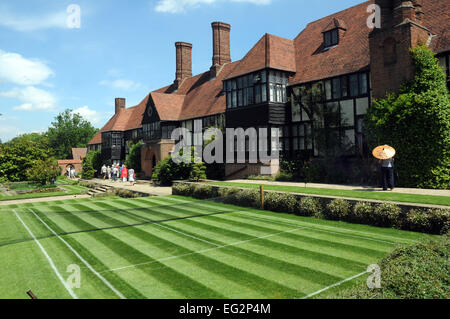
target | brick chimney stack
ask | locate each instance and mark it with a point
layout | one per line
(404, 10)
(221, 46)
(120, 104)
(184, 62)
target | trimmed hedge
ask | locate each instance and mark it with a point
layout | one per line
(420, 271)
(338, 209)
(432, 221)
(310, 207)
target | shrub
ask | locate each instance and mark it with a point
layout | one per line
(281, 202)
(310, 206)
(417, 220)
(44, 171)
(419, 271)
(204, 191)
(439, 219)
(362, 213)
(125, 193)
(284, 177)
(182, 189)
(388, 215)
(338, 209)
(246, 198)
(167, 171)
(133, 159)
(91, 164)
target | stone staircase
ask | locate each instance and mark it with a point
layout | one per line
(98, 190)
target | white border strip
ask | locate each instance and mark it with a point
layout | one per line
(50, 261)
(103, 279)
(334, 285)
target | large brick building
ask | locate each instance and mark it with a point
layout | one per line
(340, 55)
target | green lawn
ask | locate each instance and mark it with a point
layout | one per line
(387, 196)
(177, 247)
(69, 190)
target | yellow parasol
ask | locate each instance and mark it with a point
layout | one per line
(384, 152)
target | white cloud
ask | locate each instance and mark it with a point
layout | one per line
(32, 23)
(90, 115)
(18, 70)
(33, 99)
(121, 84)
(176, 6)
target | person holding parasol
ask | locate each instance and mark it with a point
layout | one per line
(385, 154)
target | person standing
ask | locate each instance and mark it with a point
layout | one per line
(68, 171)
(104, 171)
(108, 171)
(387, 171)
(124, 174)
(131, 177)
(114, 173)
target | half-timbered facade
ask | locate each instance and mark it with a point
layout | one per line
(335, 66)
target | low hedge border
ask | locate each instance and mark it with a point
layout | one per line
(405, 217)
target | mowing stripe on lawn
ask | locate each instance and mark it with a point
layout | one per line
(168, 275)
(50, 261)
(200, 251)
(206, 225)
(336, 230)
(103, 279)
(239, 225)
(269, 261)
(227, 271)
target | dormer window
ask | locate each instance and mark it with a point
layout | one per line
(331, 38)
(333, 33)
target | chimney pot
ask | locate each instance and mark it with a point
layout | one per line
(120, 104)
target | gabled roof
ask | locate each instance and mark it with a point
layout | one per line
(168, 106)
(351, 55)
(269, 52)
(197, 97)
(124, 120)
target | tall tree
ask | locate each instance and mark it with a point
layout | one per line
(67, 131)
(416, 121)
(19, 154)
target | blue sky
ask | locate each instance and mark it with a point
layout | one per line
(122, 49)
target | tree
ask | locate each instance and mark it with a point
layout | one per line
(69, 130)
(416, 121)
(43, 171)
(133, 159)
(20, 154)
(91, 164)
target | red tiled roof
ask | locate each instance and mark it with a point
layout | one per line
(124, 120)
(351, 55)
(269, 52)
(168, 106)
(198, 96)
(201, 96)
(79, 153)
(437, 15)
